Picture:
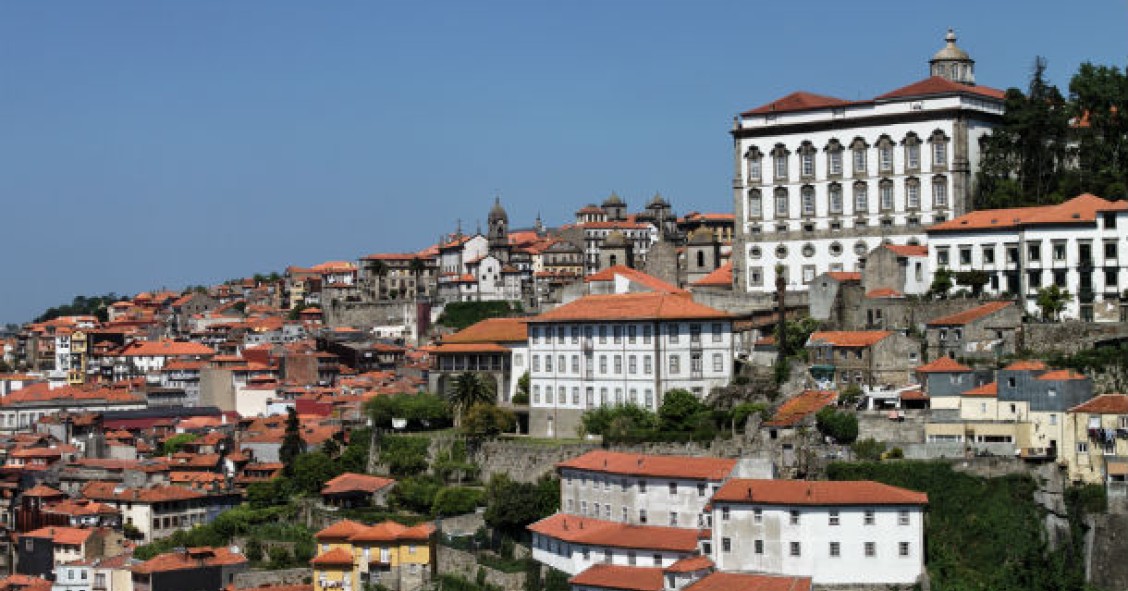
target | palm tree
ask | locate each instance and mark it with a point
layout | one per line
(471, 388)
(417, 267)
(379, 268)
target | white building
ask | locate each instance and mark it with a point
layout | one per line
(1079, 245)
(820, 181)
(573, 544)
(642, 489)
(619, 349)
(859, 532)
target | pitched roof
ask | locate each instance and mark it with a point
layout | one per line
(986, 390)
(1105, 404)
(1026, 365)
(635, 276)
(631, 306)
(189, 559)
(797, 101)
(943, 365)
(610, 462)
(908, 250)
(1082, 209)
(164, 348)
(845, 276)
(340, 530)
(596, 532)
(613, 576)
(688, 565)
(962, 318)
(1061, 375)
(883, 292)
(800, 407)
(351, 482)
(72, 536)
(937, 85)
(848, 338)
(721, 277)
(336, 557)
(389, 531)
(491, 330)
(111, 491)
(816, 493)
(42, 490)
(749, 582)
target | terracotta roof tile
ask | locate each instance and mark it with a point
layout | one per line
(908, 250)
(986, 390)
(340, 530)
(491, 330)
(73, 536)
(749, 582)
(1105, 404)
(635, 276)
(943, 365)
(350, 482)
(816, 493)
(164, 348)
(800, 407)
(610, 462)
(848, 338)
(1060, 375)
(936, 85)
(631, 306)
(613, 576)
(336, 557)
(389, 530)
(596, 532)
(797, 101)
(1081, 209)
(721, 277)
(189, 559)
(1026, 365)
(962, 318)
(845, 276)
(691, 564)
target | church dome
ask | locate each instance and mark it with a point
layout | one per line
(614, 201)
(658, 201)
(953, 63)
(951, 51)
(497, 212)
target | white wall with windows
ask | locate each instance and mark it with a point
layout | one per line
(576, 558)
(639, 500)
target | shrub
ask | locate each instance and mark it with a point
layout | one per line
(455, 500)
(840, 426)
(868, 450)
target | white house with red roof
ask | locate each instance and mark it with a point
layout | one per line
(820, 181)
(1080, 245)
(841, 533)
(603, 350)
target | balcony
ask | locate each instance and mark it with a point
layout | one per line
(1038, 453)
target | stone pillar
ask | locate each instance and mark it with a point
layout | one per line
(961, 167)
(739, 237)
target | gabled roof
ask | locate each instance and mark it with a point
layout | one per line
(610, 462)
(340, 530)
(749, 582)
(986, 390)
(350, 482)
(1082, 209)
(336, 557)
(721, 277)
(1061, 375)
(800, 407)
(596, 532)
(936, 85)
(1026, 365)
(491, 330)
(631, 306)
(614, 576)
(388, 531)
(1105, 404)
(943, 365)
(635, 276)
(848, 338)
(191, 558)
(164, 348)
(962, 318)
(72, 536)
(798, 101)
(816, 493)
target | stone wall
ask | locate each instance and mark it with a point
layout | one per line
(746, 303)
(876, 425)
(1107, 549)
(1067, 337)
(268, 578)
(340, 313)
(465, 565)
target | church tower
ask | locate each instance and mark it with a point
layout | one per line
(499, 231)
(953, 63)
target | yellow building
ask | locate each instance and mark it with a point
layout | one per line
(1096, 440)
(352, 554)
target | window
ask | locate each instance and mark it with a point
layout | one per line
(672, 332)
(548, 363)
(834, 158)
(781, 208)
(903, 549)
(560, 363)
(646, 334)
(885, 193)
(617, 333)
(726, 544)
(885, 158)
(807, 160)
(755, 204)
(794, 517)
(642, 487)
(575, 335)
(642, 516)
(912, 152)
(965, 255)
(575, 364)
(903, 517)
(673, 519)
(861, 198)
(1110, 251)
(675, 364)
(833, 518)
(779, 159)
(1059, 251)
(835, 550)
(754, 159)
(602, 364)
(647, 365)
(912, 194)
(808, 198)
(576, 396)
(632, 333)
(869, 517)
(758, 546)
(939, 154)
(618, 364)
(536, 362)
(858, 150)
(989, 254)
(632, 364)
(795, 549)
(871, 549)
(536, 394)
(718, 362)
(757, 515)
(939, 192)
(835, 192)
(603, 334)
(673, 488)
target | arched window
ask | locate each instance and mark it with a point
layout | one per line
(858, 150)
(834, 191)
(754, 164)
(779, 160)
(861, 198)
(807, 160)
(781, 207)
(834, 158)
(885, 194)
(939, 191)
(885, 155)
(807, 195)
(912, 193)
(939, 143)
(912, 152)
(755, 204)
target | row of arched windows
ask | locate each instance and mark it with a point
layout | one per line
(859, 157)
(860, 200)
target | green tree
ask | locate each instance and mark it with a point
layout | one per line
(470, 389)
(417, 267)
(851, 395)
(416, 493)
(522, 395)
(599, 420)
(1099, 99)
(512, 506)
(795, 335)
(174, 443)
(1051, 301)
(404, 455)
(311, 471)
(840, 426)
(421, 410)
(485, 420)
(941, 283)
(292, 443)
(680, 411)
(280, 557)
(975, 280)
(455, 500)
(868, 450)
(254, 550)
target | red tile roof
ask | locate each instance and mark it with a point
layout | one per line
(884, 292)
(987, 390)
(491, 330)
(613, 576)
(749, 582)
(797, 101)
(164, 348)
(631, 306)
(594, 532)
(72, 536)
(111, 491)
(42, 490)
(1105, 404)
(908, 250)
(691, 564)
(388, 531)
(635, 276)
(721, 277)
(793, 411)
(962, 318)
(816, 493)
(1026, 365)
(350, 482)
(189, 559)
(610, 462)
(1060, 375)
(1082, 209)
(848, 338)
(454, 348)
(340, 530)
(336, 557)
(845, 276)
(937, 85)
(943, 365)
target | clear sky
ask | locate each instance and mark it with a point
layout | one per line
(158, 144)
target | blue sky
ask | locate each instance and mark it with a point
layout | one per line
(158, 144)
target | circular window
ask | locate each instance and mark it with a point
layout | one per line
(808, 250)
(835, 248)
(781, 252)
(755, 252)
(860, 248)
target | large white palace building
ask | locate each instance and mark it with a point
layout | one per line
(820, 181)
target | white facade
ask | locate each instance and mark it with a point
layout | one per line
(73, 577)
(1086, 254)
(818, 182)
(642, 500)
(576, 558)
